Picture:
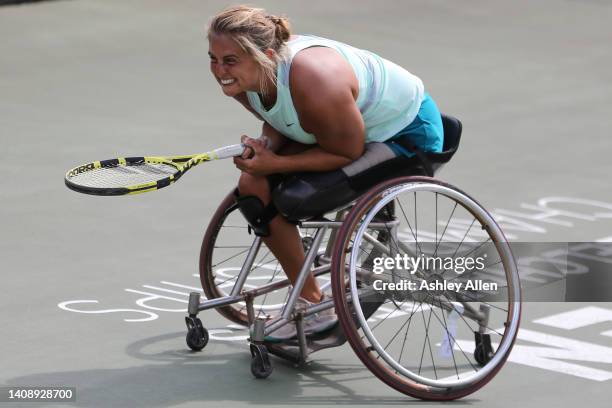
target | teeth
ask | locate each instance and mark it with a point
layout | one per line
(227, 81)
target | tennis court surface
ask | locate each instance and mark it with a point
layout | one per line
(94, 289)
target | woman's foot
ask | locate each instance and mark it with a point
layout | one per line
(313, 324)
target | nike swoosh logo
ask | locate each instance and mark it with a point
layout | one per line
(290, 124)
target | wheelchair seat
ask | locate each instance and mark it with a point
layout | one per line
(302, 196)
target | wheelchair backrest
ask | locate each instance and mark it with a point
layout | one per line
(452, 133)
(452, 137)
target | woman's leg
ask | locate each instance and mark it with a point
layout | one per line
(284, 240)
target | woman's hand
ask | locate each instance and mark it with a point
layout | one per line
(262, 163)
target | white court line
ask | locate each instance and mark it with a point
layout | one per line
(178, 285)
(155, 295)
(176, 292)
(605, 239)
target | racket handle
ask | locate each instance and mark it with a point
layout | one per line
(229, 151)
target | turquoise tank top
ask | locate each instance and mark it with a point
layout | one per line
(389, 96)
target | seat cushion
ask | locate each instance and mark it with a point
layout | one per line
(301, 196)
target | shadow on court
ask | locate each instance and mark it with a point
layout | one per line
(175, 376)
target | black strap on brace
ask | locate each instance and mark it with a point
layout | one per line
(256, 213)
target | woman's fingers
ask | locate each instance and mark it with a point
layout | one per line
(240, 163)
(248, 142)
(249, 152)
(253, 147)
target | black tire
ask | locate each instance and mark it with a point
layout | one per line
(197, 338)
(482, 355)
(260, 363)
(366, 350)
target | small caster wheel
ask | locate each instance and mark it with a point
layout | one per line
(197, 335)
(260, 361)
(483, 353)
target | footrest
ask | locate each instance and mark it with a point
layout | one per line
(290, 349)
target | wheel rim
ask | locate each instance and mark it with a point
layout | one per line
(509, 266)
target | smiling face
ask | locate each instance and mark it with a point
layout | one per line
(234, 69)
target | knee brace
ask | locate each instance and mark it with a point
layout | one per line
(257, 214)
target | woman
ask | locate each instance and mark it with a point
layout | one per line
(321, 101)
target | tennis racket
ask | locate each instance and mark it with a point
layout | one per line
(134, 175)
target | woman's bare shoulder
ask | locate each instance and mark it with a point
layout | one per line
(319, 72)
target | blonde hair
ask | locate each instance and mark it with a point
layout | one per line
(255, 31)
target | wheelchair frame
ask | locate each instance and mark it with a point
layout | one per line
(288, 312)
(299, 350)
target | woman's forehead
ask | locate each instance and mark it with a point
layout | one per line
(223, 44)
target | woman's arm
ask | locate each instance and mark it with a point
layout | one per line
(323, 89)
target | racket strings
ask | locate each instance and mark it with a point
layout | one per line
(124, 176)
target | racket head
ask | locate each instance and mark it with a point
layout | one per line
(122, 176)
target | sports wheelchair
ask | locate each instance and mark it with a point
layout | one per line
(430, 340)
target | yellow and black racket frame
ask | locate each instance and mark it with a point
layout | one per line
(175, 161)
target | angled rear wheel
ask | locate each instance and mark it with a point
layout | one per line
(411, 262)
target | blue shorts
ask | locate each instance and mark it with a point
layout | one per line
(425, 131)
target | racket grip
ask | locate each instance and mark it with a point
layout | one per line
(230, 151)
